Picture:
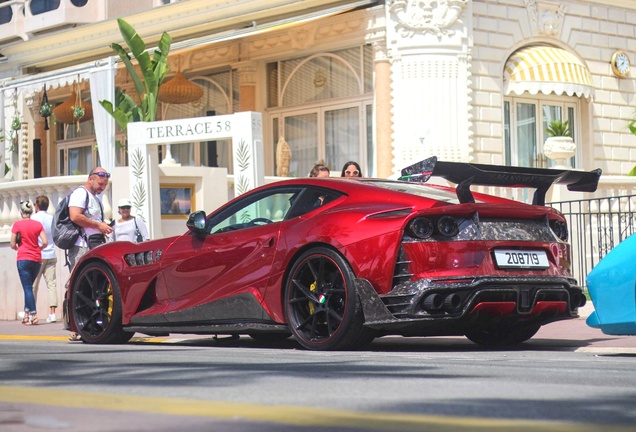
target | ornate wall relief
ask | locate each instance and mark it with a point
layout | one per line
(546, 17)
(426, 16)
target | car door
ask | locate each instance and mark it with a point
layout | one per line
(223, 274)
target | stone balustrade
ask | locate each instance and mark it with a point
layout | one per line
(55, 188)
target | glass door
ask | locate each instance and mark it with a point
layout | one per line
(342, 137)
(525, 124)
(301, 134)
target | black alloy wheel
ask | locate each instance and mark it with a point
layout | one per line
(96, 306)
(321, 304)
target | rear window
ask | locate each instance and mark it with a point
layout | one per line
(419, 189)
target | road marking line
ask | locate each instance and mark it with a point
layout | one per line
(606, 350)
(289, 415)
(33, 337)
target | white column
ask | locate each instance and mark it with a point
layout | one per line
(429, 46)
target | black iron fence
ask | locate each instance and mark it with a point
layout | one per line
(596, 226)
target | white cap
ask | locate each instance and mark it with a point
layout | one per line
(124, 202)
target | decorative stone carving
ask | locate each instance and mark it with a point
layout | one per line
(426, 16)
(546, 17)
(24, 155)
(302, 37)
(380, 52)
(247, 74)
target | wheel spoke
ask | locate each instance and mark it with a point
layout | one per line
(315, 274)
(320, 278)
(314, 327)
(306, 291)
(332, 313)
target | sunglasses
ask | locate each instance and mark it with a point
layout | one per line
(354, 172)
(125, 208)
(101, 174)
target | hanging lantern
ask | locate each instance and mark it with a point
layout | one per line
(45, 109)
(16, 123)
(179, 90)
(67, 111)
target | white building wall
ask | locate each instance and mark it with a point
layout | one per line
(591, 30)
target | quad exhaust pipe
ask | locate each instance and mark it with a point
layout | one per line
(437, 302)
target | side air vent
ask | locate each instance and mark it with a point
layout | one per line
(401, 273)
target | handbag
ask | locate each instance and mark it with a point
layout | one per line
(18, 238)
(95, 240)
(139, 238)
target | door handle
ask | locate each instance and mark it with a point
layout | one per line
(269, 243)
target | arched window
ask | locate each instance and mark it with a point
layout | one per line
(322, 106)
(542, 83)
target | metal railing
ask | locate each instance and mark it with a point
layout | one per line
(596, 226)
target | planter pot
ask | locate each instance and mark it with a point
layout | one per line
(560, 149)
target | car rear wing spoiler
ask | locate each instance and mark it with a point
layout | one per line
(467, 174)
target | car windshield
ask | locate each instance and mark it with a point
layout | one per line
(419, 190)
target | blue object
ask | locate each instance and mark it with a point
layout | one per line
(612, 286)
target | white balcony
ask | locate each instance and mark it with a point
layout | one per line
(42, 15)
(12, 20)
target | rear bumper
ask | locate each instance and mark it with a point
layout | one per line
(429, 307)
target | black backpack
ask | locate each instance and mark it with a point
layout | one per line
(65, 232)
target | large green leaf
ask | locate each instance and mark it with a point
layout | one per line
(153, 71)
(130, 67)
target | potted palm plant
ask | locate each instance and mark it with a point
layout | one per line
(153, 68)
(559, 146)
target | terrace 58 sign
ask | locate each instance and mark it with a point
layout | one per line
(245, 129)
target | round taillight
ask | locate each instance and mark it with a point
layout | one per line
(420, 228)
(447, 226)
(560, 229)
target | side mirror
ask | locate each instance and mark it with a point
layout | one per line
(196, 222)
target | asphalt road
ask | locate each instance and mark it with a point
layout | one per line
(568, 377)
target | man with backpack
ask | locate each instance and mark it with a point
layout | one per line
(88, 214)
(85, 210)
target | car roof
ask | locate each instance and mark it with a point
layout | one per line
(368, 187)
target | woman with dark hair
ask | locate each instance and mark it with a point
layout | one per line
(351, 169)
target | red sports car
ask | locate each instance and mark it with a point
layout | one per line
(338, 262)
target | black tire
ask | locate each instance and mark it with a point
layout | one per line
(501, 337)
(321, 304)
(96, 306)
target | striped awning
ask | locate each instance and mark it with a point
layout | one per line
(546, 69)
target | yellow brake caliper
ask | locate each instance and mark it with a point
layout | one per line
(321, 297)
(312, 288)
(110, 301)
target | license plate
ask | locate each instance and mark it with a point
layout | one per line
(521, 259)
